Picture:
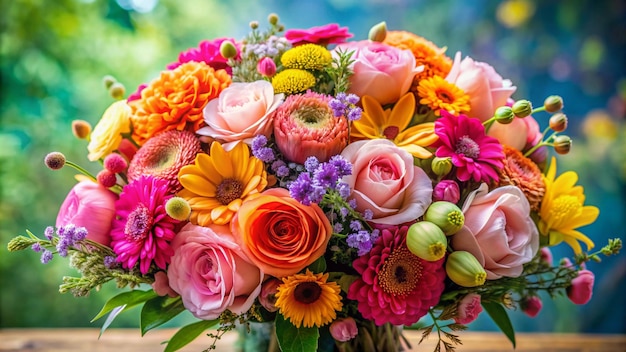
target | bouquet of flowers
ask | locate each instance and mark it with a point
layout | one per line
(338, 189)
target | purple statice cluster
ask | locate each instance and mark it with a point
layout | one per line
(266, 154)
(67, 236)
(360, 238)
(318, 178)
(345, 105)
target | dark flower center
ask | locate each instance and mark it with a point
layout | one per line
(307, 292)
(445, 96)
(400, 273)
(391, 132)
(228, 190)
(138, 223)
(466, 146)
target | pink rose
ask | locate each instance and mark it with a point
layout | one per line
(323, 35)
(447, 190)
(532, 306)
(520, 134)
(381, 71)
(344, 329)
(211, 273)
(485, 87)
(581, 290)
(385, 181)
(468, 309)
(91, 206)
(242, 111)
(498, 231)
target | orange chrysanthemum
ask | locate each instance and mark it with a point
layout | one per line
(426, 53)
(175, 100)
(437, 93)
(522, 172)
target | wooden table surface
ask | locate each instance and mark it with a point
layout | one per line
(127, 340)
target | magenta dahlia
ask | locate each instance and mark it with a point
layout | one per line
(395, 286)
(142, 230)
(475, 155)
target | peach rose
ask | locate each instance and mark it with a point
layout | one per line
(280, 235)
(519, 134)
(242, 111)
(381, 71)
(385, 181)
(486, 88)
(107, 135)
(211, 273)
(498, 231)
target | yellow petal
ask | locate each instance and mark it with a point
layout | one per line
(197, 185)
(588, 215)
(221, 160)
(205, 164)
(417, 151)
(402, 112)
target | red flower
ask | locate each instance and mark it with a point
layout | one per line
(324, 35)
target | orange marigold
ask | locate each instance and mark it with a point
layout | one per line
(522, 172)
(175, 100)
(426, 53)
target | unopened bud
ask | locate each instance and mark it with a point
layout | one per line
(108, 81)
(272, 19)
(522, 108)
(117, 91)
(427, 241)
(55, 160)
(441, 166)
(553, 103)
(106, 178)
(178, 208)
(378, 32)
(448, 216)
(254, 24)
(562, 144)
(266, 67)
(465, 270)
(228, 50)
(81, 129)
(504, 115)
(558, 122)
(115, 163)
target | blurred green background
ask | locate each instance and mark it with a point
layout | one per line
(55, 53)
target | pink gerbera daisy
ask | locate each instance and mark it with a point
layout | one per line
(208, 51)
(323, 35)
(463, 139)
(395, 286)
(142, 230)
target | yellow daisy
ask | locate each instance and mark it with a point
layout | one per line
(437, 93)
(393, 124)
(308, 300)
(216, 184)
(562, 210)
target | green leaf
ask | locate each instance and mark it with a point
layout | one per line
(498, 314)
(318, 266)
(114, 313)
(292, 339)
(127, 299)
(159, 310)
(188, 333)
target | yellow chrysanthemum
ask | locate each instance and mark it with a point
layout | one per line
(292, 80)
(437, 93)
(308, 299)
(562, 210)
(393, 124)
(307, 57)
(217, 183)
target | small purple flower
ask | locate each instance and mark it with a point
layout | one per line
(344, 212)
(265, 154)
(326, 175)
(343, 189)
(109, 261)
(368, 214)
(337, 227)
(343, 166)
(355, 114)
(352, 99)
(352, 203)
(46, 256)
(36, 247)
(49, 232)
(317, 194)
(311, 163)
(301, 188)
(80, 234)
(361, 240)
(259, 141)
(356, 225)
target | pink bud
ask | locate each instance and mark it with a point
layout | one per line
(447, 190)
(582, 287)
(266, 67)
(531, 306)
(267, 298)
(469, 308)
(115, 163)
(106, 178)
(344, 329)
(161, 285)
(546, 256)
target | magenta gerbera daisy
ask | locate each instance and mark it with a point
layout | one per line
(395, 286)
(475, 155)
(142, 230)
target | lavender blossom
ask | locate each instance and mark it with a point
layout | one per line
(49, 232)
(46, 256)
(36, 247)
(301, 188)
(109, 261)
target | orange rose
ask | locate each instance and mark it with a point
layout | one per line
(280, 235)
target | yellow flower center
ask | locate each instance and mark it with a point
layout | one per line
(400, 273)
(228, 190)
(564, 207)
(311, 117)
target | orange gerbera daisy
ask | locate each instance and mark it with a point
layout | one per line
(393, 124)
(175, 100)
(437, 93)
(426, 53)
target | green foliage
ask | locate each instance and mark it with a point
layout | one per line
(127, 299)
(158, 311)
(498, 314)
(188, 333)
(292, 339)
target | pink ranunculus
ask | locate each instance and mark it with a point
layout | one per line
(486, 88)
(381, 71)
(211, 273)
(498, 231)
(447, 190)
(385, 181)
(242, 111)
(323, 35)
(344, 329)
(91, 206)
(581, 290)
(531, 306)
(468, 309)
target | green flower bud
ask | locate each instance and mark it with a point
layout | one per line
(117, 90)
(228, 50)
(55, 160)
(254, 24)
(553, 103)
(427, 241)
(441, 166)
(522, 108)
(558, 122)
(504, 115)
(378, 32)
(465, 270)
(178, 208)
(272, 19)
(448, 216)
(20, 243)
(562, 144)
(108, 81)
